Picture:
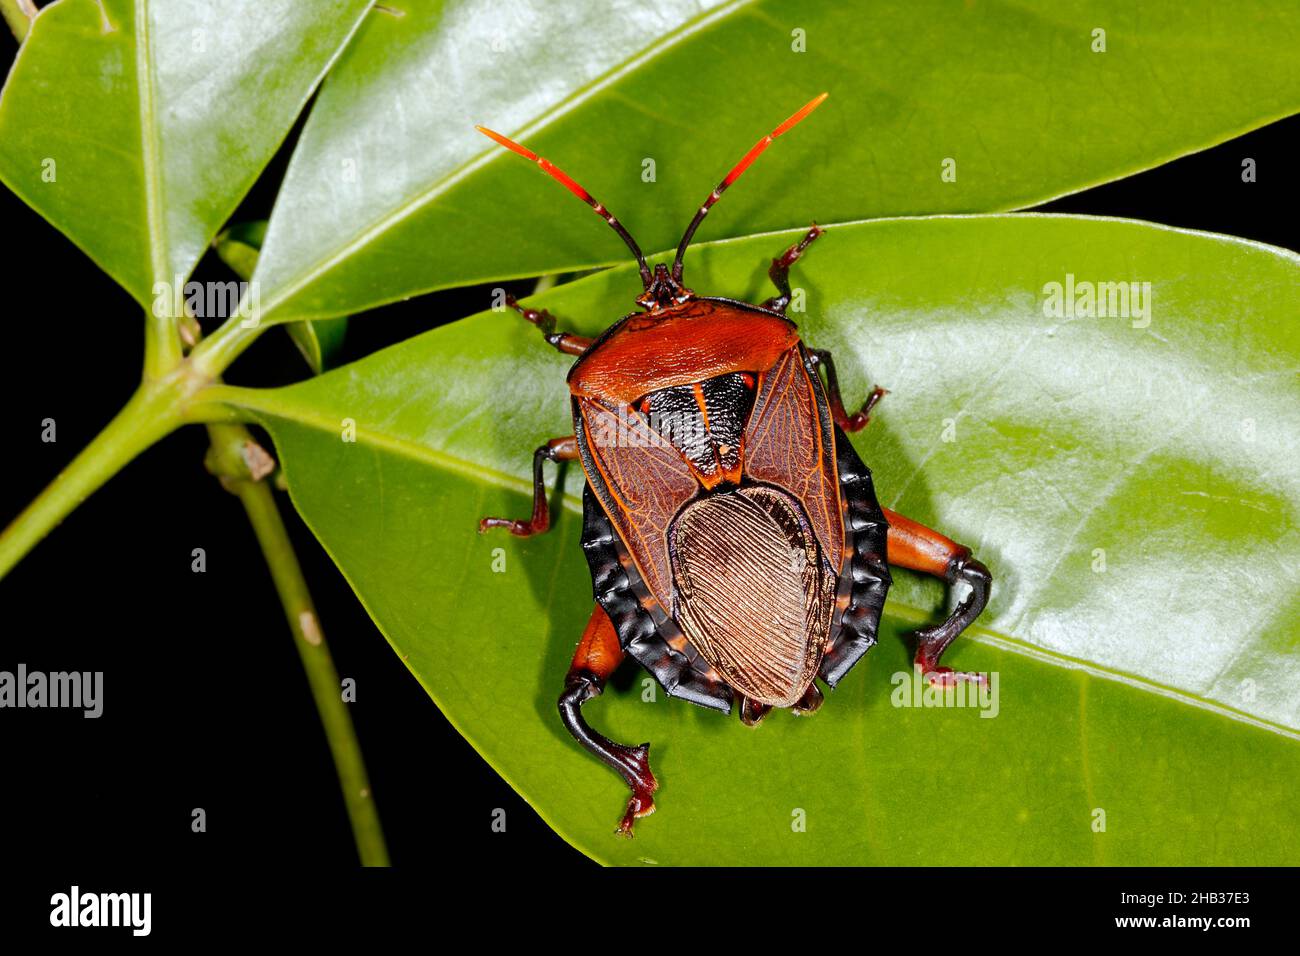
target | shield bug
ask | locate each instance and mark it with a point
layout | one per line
(737, 548)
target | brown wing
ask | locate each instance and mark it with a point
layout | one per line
(790, 443)
(753, 592)
(640, 480)
(749, 574)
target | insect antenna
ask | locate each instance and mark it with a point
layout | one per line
(735, 173)
(565, 180)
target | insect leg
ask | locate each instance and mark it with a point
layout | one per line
(557, 449)
(821, 358)
(563, 341)
(597, 656)
(780, 270)
(912, 545)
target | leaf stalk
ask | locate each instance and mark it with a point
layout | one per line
(229, 459)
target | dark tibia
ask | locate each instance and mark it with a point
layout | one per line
(780, 270)
(914, 546)
(633, 763)
(931, 642)
(850, 423)
(557, 449)
(597, 656)
(563, 341)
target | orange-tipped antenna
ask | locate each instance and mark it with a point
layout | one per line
(567, 181)
(735, 174)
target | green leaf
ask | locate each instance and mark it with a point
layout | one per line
(1161, 686)
(319, 340)
(391, 192)
(136, 127)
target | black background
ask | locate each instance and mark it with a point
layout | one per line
(206, 703)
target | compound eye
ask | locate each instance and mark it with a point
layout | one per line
(644, 405)
(747, 380)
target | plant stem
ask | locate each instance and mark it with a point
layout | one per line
(162, 345)
(174, 392)
(228, 460)
(214, 354)
(18, 14)
(148, 416)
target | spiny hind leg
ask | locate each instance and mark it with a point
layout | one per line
(914, 546)
(597, 656)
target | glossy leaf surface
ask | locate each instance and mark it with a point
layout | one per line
(1131, 481)
(935, 106)
(136, 127)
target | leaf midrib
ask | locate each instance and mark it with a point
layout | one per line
(150, 145)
